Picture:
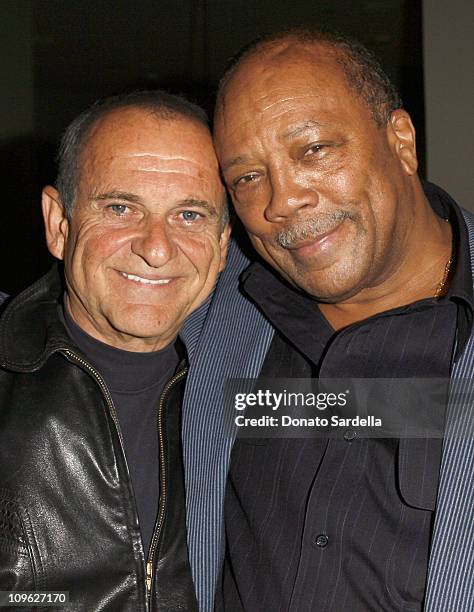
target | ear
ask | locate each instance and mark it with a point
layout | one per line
(55, 221)
(224, 244)
(401, 134)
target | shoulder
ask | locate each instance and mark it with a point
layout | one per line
(237, 260)
(468, 217)
(227, 285)
(3, 298)
(469, 221)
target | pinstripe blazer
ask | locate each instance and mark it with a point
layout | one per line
(227, 337)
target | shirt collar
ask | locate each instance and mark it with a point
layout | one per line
(461, 284)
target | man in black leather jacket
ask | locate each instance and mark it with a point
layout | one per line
(91, 478)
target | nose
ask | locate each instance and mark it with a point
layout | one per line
(288, 195)
(154, 243)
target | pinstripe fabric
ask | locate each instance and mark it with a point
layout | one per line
(451, 570)
(191, 331)
(229, 323)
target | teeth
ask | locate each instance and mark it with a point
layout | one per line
(146, 281)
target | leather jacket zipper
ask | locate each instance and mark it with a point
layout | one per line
(100, 381)
(105, 391)
(163, 484)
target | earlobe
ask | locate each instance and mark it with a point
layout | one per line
(224, 244)
(55, 221)
(403, 139)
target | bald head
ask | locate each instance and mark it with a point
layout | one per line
(362, 71)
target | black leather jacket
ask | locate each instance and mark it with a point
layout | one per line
(68, 519)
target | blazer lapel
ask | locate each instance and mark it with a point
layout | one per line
(243, 337)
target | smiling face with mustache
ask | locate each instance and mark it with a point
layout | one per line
(321, 188)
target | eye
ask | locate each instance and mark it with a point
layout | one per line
(190, 215)
(251, 177)
(314, 149)
(119, 210)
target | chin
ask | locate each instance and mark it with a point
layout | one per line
(145, 339)
(142, 324)
(329, 292)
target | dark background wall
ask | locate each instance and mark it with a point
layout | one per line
(58, 56)
(448, 50)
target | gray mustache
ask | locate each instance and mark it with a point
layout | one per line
(311, 228)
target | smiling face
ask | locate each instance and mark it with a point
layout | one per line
(145, 243)
(319, 186)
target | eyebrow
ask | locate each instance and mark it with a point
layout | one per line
(118, 195)
(240, 159)
(200, 204)
(297, 130)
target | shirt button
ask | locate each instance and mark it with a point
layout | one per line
(350, 435)
(321, 540)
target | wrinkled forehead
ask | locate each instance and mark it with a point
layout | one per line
(133, 132)
(139, 147)
(283, 69)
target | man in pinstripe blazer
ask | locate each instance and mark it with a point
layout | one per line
(374, 279)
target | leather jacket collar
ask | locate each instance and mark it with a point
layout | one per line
(30, 330)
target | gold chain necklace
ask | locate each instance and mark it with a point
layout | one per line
(441, 289)
(442, 285)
